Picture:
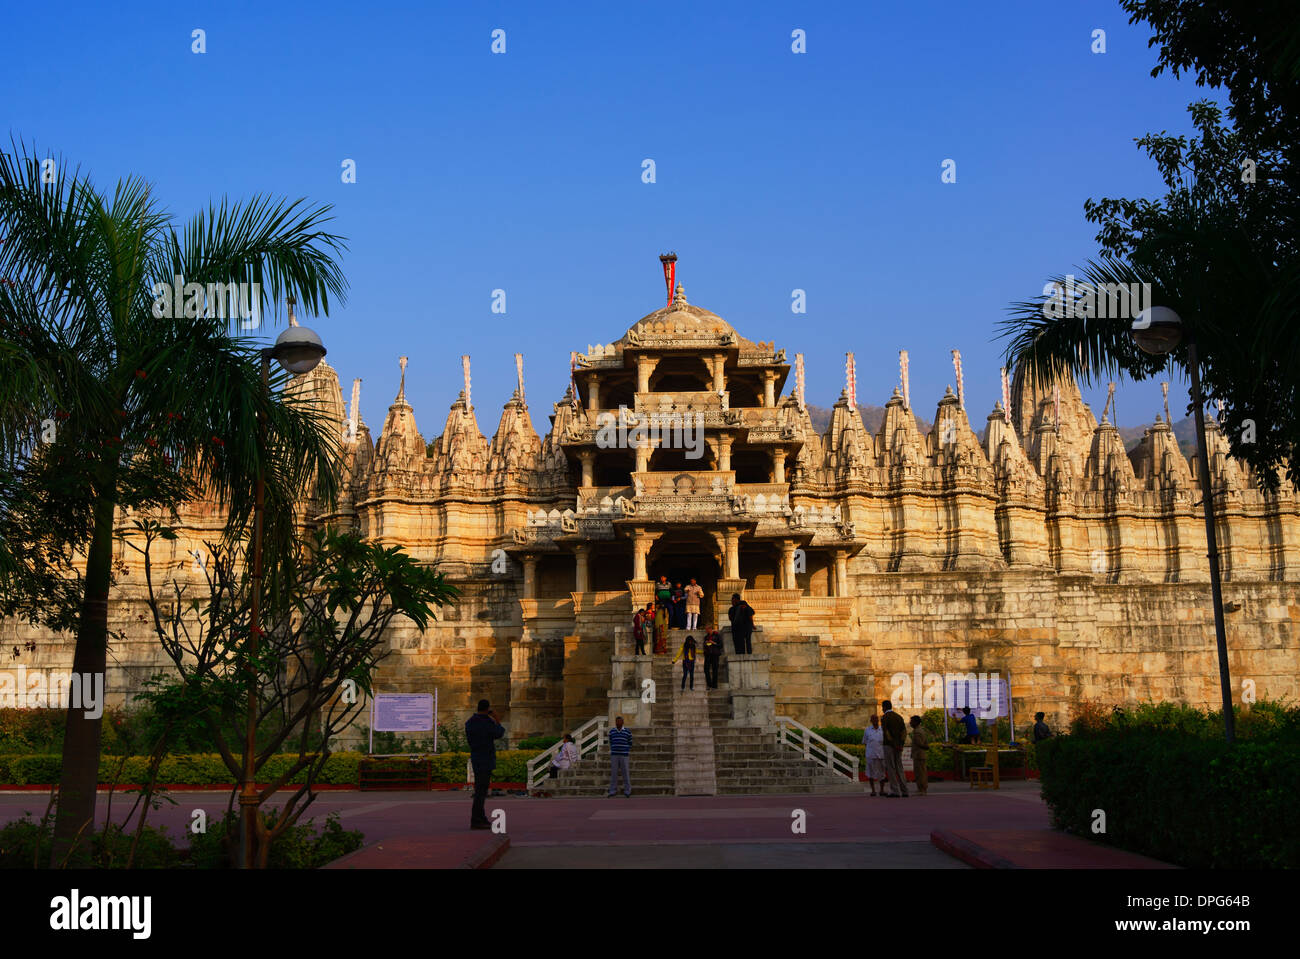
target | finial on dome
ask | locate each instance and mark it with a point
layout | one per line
(293, 320)
(464, 365)
(401, 389)
(679, 296)
(519, 372)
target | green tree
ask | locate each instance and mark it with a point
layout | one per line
(105, 405)
(323, 635)
(1219, 248)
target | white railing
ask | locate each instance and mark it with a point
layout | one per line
(587, 738)
(820, 750)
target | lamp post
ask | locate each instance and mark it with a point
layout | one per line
(1158, 330)
(297, 350)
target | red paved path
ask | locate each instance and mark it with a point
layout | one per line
(432, 828)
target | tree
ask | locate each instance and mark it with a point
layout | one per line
(1220, 250)
(323, 636)
(110, 398)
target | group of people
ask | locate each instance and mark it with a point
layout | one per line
(884, 741)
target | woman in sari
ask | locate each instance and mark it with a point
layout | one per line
(661, 629)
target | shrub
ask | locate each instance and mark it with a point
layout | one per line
(301, 846)
(542, 743)
(1176, 796)
(839, 735)
(109, 849)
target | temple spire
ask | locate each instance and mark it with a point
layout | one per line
(401, 388)
(519, 374)
(850, 382)
(293, 320)
(799, 381)
(902, 375)
(961, 385)
(354, 412)
(464, 365)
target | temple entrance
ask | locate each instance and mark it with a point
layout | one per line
(680, 560)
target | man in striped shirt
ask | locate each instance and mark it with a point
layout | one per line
(620, 749)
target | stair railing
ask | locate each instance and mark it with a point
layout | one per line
(586, 737)
(816, 748)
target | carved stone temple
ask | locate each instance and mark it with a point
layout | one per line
(1044, 552)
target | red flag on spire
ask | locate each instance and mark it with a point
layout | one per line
(669, 260)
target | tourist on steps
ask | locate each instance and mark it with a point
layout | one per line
(741, 615)
(640, 620)
(481, 732)
(679, 607)
(663, 592)
(620, 751)
(920, 744)
(566, 757)
(694, 596)
(687, 656)
(895, 739)
(873, 738)
(712, 655)
(661, 630)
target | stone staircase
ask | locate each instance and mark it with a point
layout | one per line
(690, 749)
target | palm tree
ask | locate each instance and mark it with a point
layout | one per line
(106, 404)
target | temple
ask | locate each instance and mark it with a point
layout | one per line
(1042, 551)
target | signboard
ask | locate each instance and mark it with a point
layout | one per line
(403, 712)
(987, 695)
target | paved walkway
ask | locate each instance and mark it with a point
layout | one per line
(430, 829)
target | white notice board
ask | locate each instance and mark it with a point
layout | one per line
(403, 712)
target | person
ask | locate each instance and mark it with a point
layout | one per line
(741, 615)
(620, 752)
(661, 629)
(873, 738)
(566, 757)
(679, 607)
(482, 730)
(687, 656)
(712, 656)
(638, 630)
(972, 727)
(895, 738)
(663, 592)
(920, 743)
(1041, 731)
(694, 596)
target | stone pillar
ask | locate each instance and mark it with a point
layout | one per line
(588, 459)
(769, 388)
(732, 540)
(788, 580)
(593, 391)
(582, 574)
(645, 365)
(724, 452)
(778, 466)
(841, 579)
(719, 372)
(642, 540)
(530, 577)
(642, 457)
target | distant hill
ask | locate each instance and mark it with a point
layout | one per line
(872, 417)
(1184, 433)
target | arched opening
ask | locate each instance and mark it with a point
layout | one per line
(751, 466)
(681, 374)
(614, 467)
(744, 390)
(682, 556)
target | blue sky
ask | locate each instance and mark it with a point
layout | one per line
(522, 171)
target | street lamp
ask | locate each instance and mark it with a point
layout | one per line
(1158, 330)
(297, 350)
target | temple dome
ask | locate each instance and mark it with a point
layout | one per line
(681, 317)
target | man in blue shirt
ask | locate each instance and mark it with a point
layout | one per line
(972, 726)
(482, 730)
(620, 749)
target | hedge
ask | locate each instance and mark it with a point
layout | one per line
(205, 769)
(1177, 797)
